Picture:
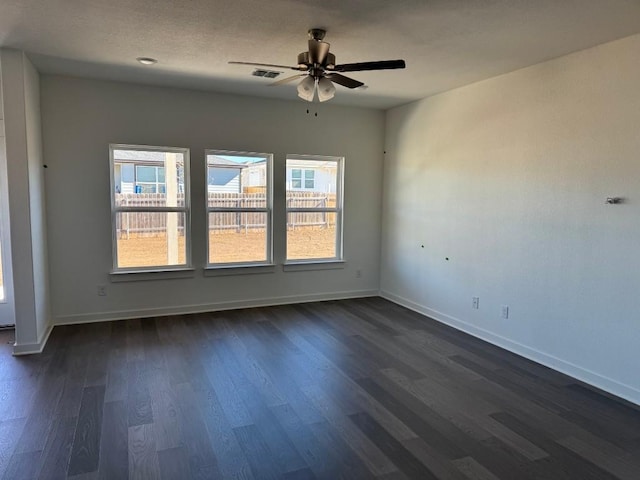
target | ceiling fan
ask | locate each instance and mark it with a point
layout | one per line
(320, 71)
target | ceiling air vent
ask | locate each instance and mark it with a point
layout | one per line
(258, 72)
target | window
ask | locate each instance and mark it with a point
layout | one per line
(150, 207)
(238, 208)
(314, 208)
(302, 179)
(149, 179)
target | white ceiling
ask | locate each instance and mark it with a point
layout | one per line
(446, 43)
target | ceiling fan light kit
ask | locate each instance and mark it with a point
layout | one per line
(306, 89)
(320, 70)
(326, 90)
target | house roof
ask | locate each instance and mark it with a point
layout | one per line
(138, 155)
(220, 161)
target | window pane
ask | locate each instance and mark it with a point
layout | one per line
(308, 184)
(157, 172)
(149, 239)
(311, 235)
(296, 173)
(145, 174)
(296, 183)
(309, 174)
(236, 237)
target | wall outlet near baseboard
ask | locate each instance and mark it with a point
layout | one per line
(358, 273)
(504, 311)
(101, 290)
(475, 302)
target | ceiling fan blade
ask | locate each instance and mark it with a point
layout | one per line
(344, 81)
(379, 65)
(318, 51)
(267, 65)
(287, 80)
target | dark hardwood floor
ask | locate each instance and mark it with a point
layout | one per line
(353, 389)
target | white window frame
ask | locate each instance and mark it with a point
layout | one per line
(337, 210)
(186, 210)
(268, 210)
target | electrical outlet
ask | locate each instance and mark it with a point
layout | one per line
(504, 311)
(101, 290)
(358, 273)
(475, 302)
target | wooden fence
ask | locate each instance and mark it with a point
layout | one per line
(154, 223)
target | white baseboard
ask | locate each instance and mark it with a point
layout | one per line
(614, 387)
(31, 348)
(209, 307)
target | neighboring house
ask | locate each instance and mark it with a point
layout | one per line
(141, 172)
(254, 176)
(310, 176)
(225, 175)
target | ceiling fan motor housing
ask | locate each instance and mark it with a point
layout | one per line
(303, 60)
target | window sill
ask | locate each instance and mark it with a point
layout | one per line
(144, 275)
(314, 265)
(225, 270)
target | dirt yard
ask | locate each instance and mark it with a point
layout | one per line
(228, 246)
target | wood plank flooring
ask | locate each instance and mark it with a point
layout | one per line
(354, 389)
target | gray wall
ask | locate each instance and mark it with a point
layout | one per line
(507, 178)
(81, 117)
